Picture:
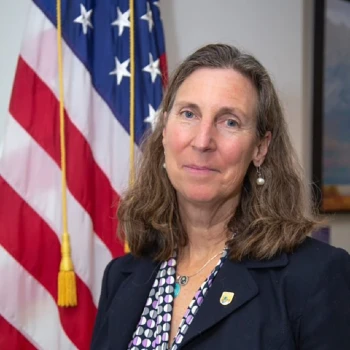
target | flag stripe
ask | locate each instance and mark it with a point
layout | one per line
(41, 190)
(164, 69)
(42, 245)
(85, 179)
(13, 339)
(30, 308)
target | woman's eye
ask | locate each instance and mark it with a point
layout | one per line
(188, 114)
(231, 123)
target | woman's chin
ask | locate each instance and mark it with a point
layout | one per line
(200, 197)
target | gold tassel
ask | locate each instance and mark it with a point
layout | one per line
(67, 288)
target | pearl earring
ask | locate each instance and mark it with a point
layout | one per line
(164, 165)
(260, 181)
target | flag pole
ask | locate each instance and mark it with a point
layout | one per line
(132, 100)
(132, 92)
(67, 291)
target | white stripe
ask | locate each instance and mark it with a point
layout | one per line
(28, 306)
(37, 179)
(108, 140)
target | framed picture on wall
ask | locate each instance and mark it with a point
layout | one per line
(331, 105)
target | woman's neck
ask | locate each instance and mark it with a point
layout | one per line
(206, 228)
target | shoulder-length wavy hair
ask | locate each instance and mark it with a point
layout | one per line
(269, 219)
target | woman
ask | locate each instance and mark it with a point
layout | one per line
(217, 224)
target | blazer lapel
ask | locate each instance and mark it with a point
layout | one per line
(233, 277)
(128, 304)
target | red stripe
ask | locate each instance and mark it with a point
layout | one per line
(36, 108)
(36, 247)
(164, 69)
(11, 338)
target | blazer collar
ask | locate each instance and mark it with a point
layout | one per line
(277, 261)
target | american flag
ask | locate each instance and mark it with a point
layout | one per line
(97, 42)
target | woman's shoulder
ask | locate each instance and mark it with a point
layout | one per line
(118, 269)
(317, 255)
(316, 283)
(311, 263)
(124, 264)
(316, 267)
(121, 263)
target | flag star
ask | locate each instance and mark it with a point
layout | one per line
(156, 3)
(122, 21)
(152, 68)
(152, 116)
(120, 70)
(148, 17)
(84, 18)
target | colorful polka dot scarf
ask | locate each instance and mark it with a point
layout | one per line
(153, 329)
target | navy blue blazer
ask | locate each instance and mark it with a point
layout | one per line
(294, 301)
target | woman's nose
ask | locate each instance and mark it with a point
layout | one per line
(204, 137)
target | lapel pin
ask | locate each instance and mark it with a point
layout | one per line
(226, 298)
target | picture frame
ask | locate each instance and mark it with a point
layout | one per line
(331, 106)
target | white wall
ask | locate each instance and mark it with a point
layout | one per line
(278, 33)
(12, 24)
(272, 30)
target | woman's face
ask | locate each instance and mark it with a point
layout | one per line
(210, 135)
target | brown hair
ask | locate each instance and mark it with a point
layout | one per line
(268, 220)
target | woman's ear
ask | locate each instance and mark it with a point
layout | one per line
(261, 149)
